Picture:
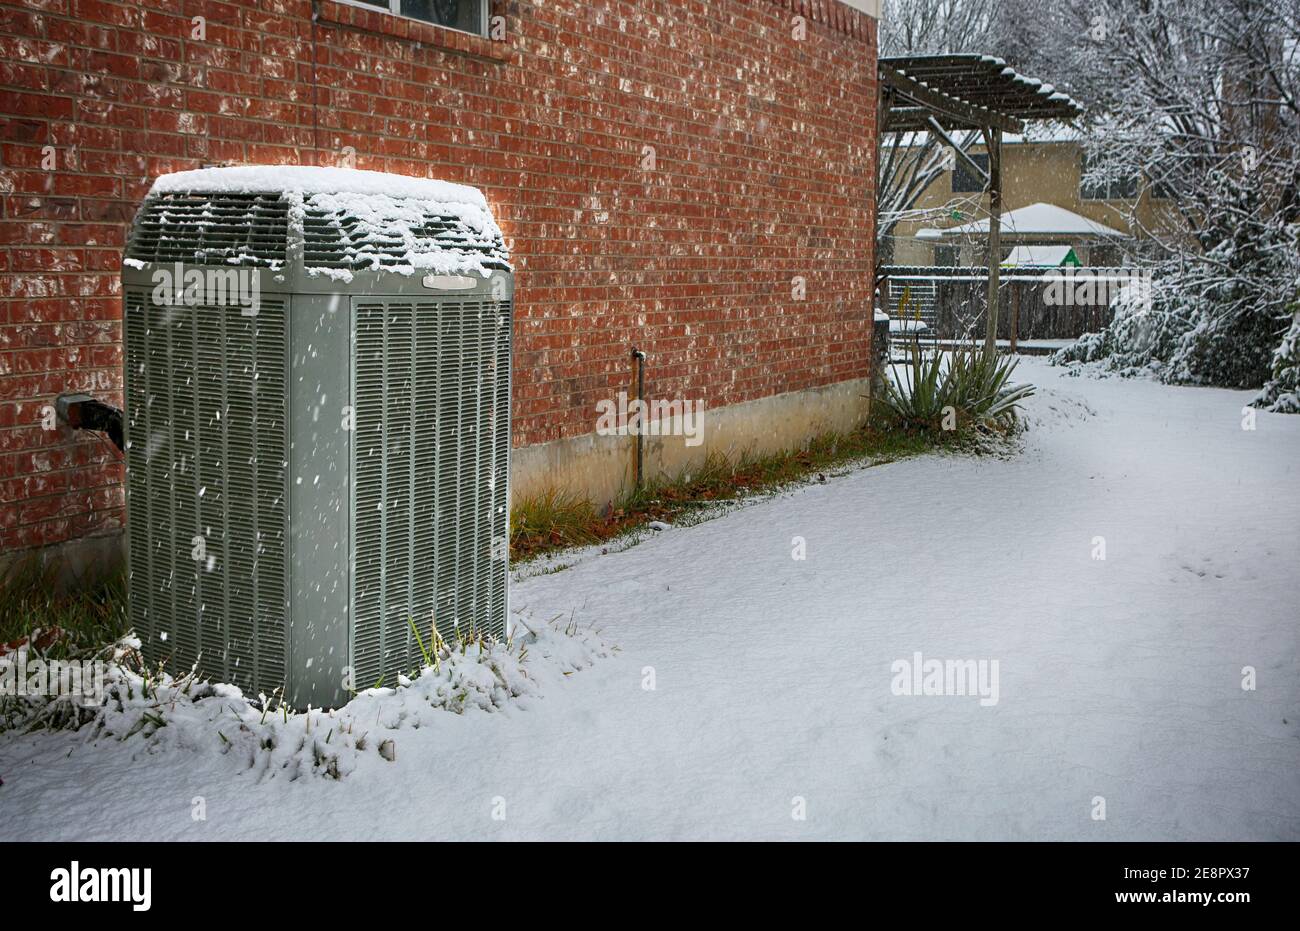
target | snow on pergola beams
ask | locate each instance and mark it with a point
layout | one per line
(909, 105)
(966, 92)
(925, 93)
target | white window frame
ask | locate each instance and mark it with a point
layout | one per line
(395, 9)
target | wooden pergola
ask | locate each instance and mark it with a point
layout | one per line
(942, 93)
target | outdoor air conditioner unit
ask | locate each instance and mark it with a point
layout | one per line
(317, 424)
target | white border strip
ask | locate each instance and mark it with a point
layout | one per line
(870, 7)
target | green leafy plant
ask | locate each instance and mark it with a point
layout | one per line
(961, 391)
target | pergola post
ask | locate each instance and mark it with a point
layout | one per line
(993, 142)
(884, 99)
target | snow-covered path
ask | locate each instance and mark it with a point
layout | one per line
(1119, 678)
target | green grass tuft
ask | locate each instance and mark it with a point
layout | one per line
(87, 618)
(551, 520)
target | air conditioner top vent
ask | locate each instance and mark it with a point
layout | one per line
(374, 232)
(211, 228)
(346, 221)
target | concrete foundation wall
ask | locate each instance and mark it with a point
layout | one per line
(599, 468)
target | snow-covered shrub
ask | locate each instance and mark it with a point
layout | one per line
(1211, 134)
(1198, 325)
(165, 713)
(1138, 335)
(1281, 393)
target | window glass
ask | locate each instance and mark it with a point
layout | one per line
(965, 181)
(466, 15)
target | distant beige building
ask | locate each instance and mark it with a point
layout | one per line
(1044, 203)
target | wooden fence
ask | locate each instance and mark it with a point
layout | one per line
(1038, 304)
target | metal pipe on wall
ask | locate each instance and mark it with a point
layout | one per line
(640, 358)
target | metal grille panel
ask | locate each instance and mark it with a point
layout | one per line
(334, 239)
(212, 229)
(207, 486)
(431, 395)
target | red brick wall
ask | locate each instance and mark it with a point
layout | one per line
(764, 147)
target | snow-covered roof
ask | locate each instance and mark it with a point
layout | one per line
(1034, 220)
(1038, 256)
(305, 179)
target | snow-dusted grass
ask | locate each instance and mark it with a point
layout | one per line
(183, 721)
(747, 678)
(273, 741)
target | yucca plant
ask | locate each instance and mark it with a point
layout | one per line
(962, 390)
(915, 397)
(982, 390)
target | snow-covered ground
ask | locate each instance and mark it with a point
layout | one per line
(1118, 679)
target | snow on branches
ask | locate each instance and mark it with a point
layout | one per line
(1202, 99)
